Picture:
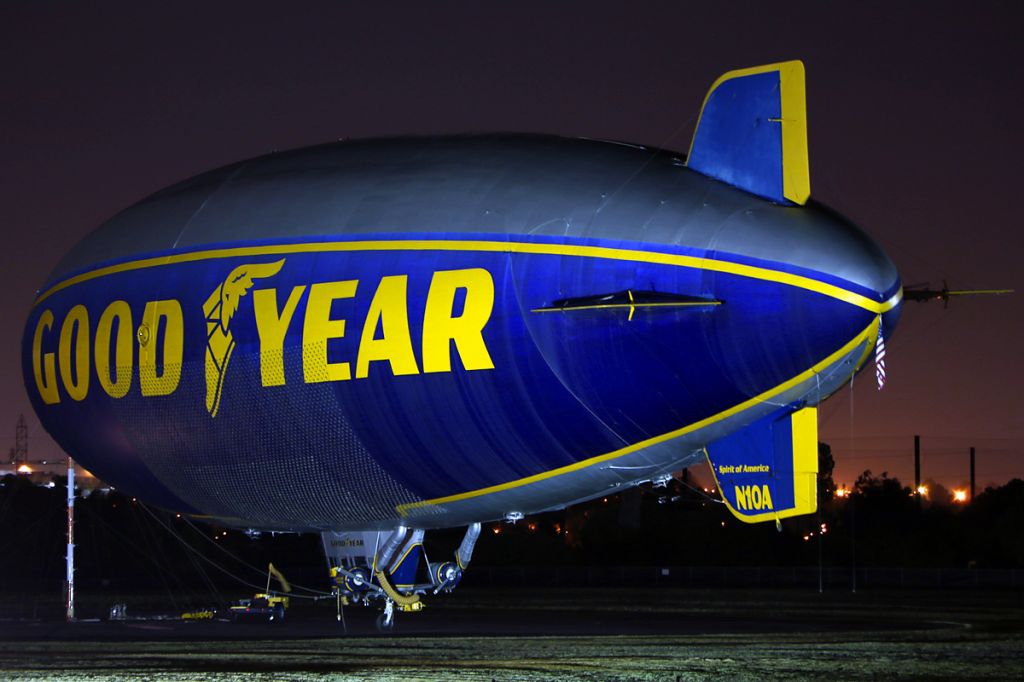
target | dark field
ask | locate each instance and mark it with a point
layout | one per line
(555, 635)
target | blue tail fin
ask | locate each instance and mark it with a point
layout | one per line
(752, 132)
(768, 470)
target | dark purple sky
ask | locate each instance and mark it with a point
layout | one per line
(914, 118)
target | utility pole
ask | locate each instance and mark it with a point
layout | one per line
(916, 470)
(71, 542)
(821, 580)
(972, 474)
(853, 541)
(916, 464)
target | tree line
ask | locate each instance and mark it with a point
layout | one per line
(125, 545)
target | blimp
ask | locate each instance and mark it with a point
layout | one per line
(374, 338)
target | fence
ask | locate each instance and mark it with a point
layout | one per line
(744, 577)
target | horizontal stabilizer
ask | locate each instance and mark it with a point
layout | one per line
(768, 470)
(752, 132)
(628, 301)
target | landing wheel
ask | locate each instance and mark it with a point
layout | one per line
(385, 622)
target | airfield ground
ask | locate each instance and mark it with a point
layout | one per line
(558, 635)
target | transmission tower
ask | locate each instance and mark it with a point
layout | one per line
(20, 452)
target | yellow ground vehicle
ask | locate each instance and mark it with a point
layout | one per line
(269, 605)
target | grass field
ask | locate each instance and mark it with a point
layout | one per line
(683, 635)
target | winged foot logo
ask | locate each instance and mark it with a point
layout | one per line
(219, 308)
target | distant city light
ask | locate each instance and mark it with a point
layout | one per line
(959, 495)
(842, 492)
(922, 490)
(24, 469)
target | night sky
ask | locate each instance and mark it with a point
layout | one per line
(914, 121)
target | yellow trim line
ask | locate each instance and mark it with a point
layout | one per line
(582, 251)
(868, 335)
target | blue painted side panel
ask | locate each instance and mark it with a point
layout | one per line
(564, 387)
(739, 137)
(405, 573)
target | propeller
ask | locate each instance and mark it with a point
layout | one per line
(912, 293)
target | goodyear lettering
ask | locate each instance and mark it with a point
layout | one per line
(386, 336)
(389, 310)
(160, 347)
(74, 338)
(319, 328)
(44, 366)
(117, 384)
(458, 306)
(753, 497)
(441, 327)
(272, 328)
(347, 543)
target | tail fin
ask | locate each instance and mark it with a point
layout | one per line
(768, 470)
(752, 132)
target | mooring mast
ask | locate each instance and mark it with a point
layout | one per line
(71, 542)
